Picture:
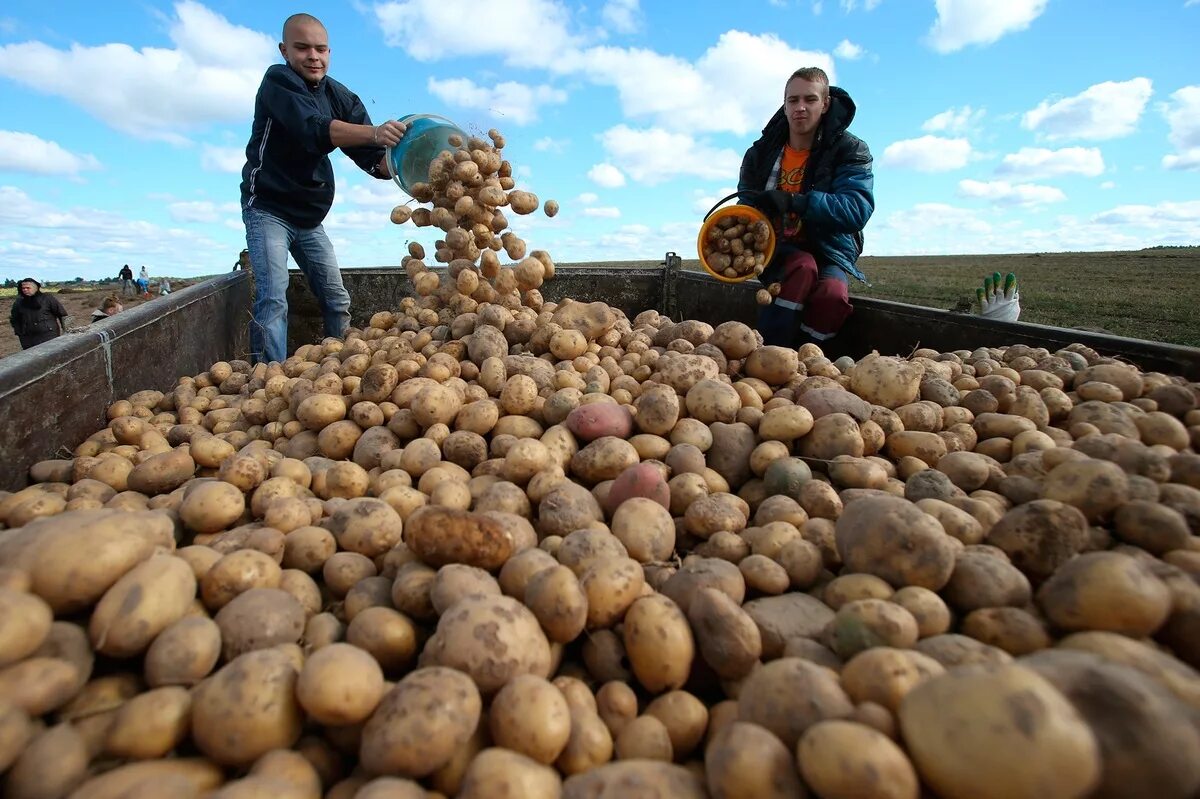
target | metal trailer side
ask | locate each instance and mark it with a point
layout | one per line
(55, 396)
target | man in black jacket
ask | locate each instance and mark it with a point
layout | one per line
(813, 178)
(126, 276)
(300, 116)
(36, 317)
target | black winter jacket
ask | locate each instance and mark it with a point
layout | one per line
(287, 171)
(837, 195)
(36, 314)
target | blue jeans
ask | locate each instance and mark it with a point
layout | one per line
(269, 240)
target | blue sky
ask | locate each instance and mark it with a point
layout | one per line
(996, 125)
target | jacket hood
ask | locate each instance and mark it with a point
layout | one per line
(835, 121)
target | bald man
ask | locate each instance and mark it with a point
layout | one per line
(300, 116)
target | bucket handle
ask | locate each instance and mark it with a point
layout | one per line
(723, 200)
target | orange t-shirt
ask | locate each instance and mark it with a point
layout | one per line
(791, 176)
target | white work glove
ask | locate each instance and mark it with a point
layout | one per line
(996, 301)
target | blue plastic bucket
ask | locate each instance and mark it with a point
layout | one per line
(427, 135)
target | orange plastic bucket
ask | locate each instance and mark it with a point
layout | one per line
(717, 214)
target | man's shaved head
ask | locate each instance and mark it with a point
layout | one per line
(298, 19)
(305, 47)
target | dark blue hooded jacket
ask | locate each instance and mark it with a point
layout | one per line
(287, 171)
(837, 195)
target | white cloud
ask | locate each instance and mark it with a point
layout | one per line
(1038, 162)
(1191, 3)
(1182, 113)
(548, 144)
(25, 152)
(817, 6)
(603, 212)
(1162, 215)
(587, 198)
(677, 94)
(652, 155)
(928, 154)
(851, 5)
(705, 200)
(623, 16)
(955, 121)
(377, 194)
(202, 211)
(1108, 184)
(509, 101)
(848, 50)
(142, 92)
(668, 91)
(223, 159)
(965, 22)
(1002, 192)
(607, 176)
(59, 243)
(1106, 110)
(532, 33)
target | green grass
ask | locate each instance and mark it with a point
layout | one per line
(1148, 294)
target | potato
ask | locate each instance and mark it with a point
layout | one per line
(148, 778)
(1156, 528)
(162, 473)
(491, 638)
(982, 580)
(998, 731)
(1105, 591)
(892, 539)
(644, 738)
(1040, 536)
(845, 758)
(865, 623)
(1014, 630)
(930, 611)
(603, 459)
(659, 643)
(530, 716)
(420, 723)
(685, 717)
(307, 548)
(789, 695)
(366, 525)
(184, 653)
(951, 649)
(505, 774)
(247, 708)
(212, 506)
(611, 586)
(53, 764)
(884, 675)
(440, 535)
(340, 684)
(1130, 716)
(150, 725)
(25, 622)
(388, 635)
(80, 554)
(560, 603)
(141, 604)
(596, 420)
(237, 572)
(259, 618)
(745, 759)
(890, 382)
(642, 480)
(635, 778)
(1096, 487)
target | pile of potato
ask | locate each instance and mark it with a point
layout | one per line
(736, 245)
(491, 546)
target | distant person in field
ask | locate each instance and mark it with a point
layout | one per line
(126, 276)
(36, 317)
(300, 116)
(110, 307)
(813, 179)
(243, 261)
(143, 283)
(164, 286)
